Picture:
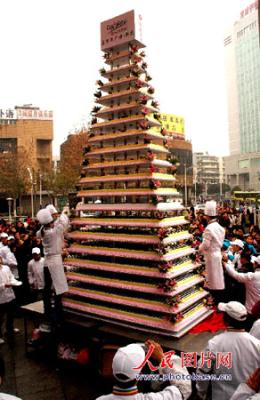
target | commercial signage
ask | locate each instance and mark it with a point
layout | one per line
(172, 123)
(25, 113)
(120, 30)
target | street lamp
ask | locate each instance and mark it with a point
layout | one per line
(9, 199)
(185, 184)
(40, 178)
(32, 202)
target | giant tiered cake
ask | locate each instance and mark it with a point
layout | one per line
(131, 262)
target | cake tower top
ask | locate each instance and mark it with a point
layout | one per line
(121, 30)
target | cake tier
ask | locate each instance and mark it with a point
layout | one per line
(128, 238)
(133, 254)
(123, 81)
(133, 222)
(130, 106)
(172, 206)
(129, 119)
(124, 69)
(128, 177)
(182, 284)
(116, 57)
(122, 94)
(128, 163)
(119, 316)
(127, 269)
(186, 299)
(128, 148)
(123, 135)
(128, 192)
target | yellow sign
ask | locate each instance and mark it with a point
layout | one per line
(172, 123)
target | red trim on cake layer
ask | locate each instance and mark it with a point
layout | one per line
(125, 253)
(128, 119)
(114, 237)
(115, 314)
(128, 163)
(108, 98)
(129, 269)
(134, 286)
(142, 320)
(127, 149)
(130, 207)
(127, 192)
(125, 178)
(138, 303)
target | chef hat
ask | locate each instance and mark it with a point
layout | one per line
(52, 209)
(234, 309)
(126, 360)
(238, 243)
(3, 235)
(44, 216)
(36, 250)
(211, 208)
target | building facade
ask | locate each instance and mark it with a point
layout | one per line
(208, 169)
(243, 87)
(28, 129)
(180, 148)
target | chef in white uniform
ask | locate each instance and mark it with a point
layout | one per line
(62, 218)
(255, 330)
(124, 363)
(211, 246)
(52, 236)
(244, 350)
(251, 280)
(3, 239)
(249, 390)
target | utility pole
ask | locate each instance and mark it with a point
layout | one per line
(32, 200)
(185, 186)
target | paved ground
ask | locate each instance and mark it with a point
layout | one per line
(37, 376)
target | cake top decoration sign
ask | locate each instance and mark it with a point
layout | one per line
(119, 30)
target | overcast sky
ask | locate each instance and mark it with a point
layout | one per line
(50, 56)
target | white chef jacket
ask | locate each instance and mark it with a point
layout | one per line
(178, 390)
(244, 392)
(9, 259)
(255, 330)
(252, 284)
(169, 393)
(245, 352)
(6, 294)
(213, 238)
(36, 273)
(5, 396)
(53, 240)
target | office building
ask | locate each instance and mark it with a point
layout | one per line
(243, 87)
(179, 147)
(28, 129)
(208, 169)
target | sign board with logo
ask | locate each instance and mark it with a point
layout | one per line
(174, 124)
(120, 30)
(25, 113)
